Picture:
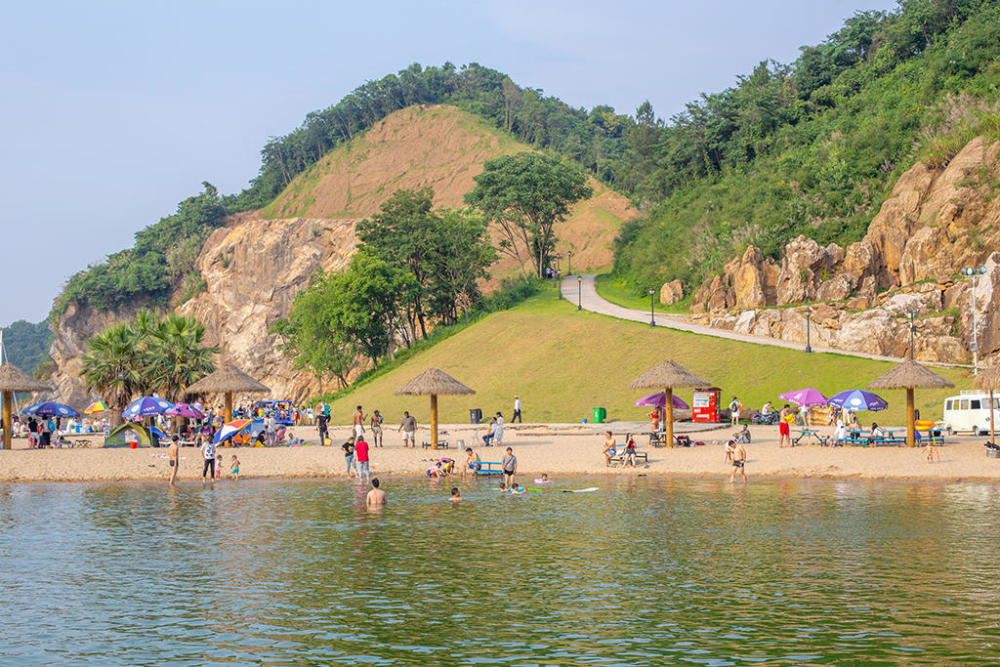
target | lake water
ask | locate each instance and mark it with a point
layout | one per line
(642, 571)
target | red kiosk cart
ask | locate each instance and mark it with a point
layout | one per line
(705, 404)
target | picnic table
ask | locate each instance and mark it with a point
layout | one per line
(822, 440)
(487, 468)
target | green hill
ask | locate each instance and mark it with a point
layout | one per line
(562, 363)
(27, 344)
(813, 147)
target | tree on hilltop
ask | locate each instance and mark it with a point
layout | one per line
(526, 195)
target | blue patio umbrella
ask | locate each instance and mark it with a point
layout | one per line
(858, 400)
(147, 406)
(50, 409)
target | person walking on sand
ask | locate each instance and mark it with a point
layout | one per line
(375, 497)
(173, 458)
(736, 454)
(734, 410)
(784, 430)
(359, 423)
(361, 455)
(409, 429)
(376, 424)
(208, 454)
(509, 467)
(348, 448)
(517, 411)
(498, 431)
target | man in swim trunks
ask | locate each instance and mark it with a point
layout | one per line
(737, 454)
(409, 429)
(359, 422)
(173, 459)
(472, 462)
(784, 431)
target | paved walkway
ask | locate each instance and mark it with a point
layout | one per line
(586, 295)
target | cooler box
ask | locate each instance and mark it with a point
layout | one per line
(600, 415)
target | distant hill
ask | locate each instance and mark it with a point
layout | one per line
(27, 344)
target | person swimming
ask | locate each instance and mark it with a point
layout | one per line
(456, 497)
(544, 479)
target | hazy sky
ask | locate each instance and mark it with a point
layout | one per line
(112, 112)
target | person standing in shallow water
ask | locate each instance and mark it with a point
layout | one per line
(376, 497)
(173, 459)
(737, 455)
(208, 454)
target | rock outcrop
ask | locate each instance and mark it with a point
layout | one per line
(935, 222)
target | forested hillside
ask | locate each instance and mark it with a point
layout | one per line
(27, 344)
(812, 147)
(807, 147)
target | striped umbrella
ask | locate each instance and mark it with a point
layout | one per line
(96, 407)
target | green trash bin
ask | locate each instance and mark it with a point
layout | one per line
(600, 415)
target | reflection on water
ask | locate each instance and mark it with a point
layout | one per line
(643, 571)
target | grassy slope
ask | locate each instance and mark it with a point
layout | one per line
(613, 290)
(563, 363)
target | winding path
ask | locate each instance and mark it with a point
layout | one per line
(586, 295)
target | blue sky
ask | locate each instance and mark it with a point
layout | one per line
(113, 112)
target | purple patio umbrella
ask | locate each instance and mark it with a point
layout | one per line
(659, 400)
(858, 400)
(185, 410)
(807, 397)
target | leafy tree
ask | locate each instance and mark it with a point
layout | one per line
(27, 344)
(114, 366)
(526, 195)
(177, 357)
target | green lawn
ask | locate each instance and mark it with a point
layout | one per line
(563, 362)
(615, 292)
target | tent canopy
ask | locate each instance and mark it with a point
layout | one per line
(121, 436)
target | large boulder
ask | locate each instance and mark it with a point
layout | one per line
(671, 292)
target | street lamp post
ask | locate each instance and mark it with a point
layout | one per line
(809, 312)
(569, 268)
(579, 292)
(974, 272)
(912, 329)
(652, 319)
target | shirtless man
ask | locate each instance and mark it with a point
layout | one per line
(737, 454)
(472, 462)
(375, 497)
(173, 459)
(359, 422)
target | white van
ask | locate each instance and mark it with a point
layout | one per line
(970, 411)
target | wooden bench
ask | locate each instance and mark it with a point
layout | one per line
(619, 457)
(442, 444)
(487, 468)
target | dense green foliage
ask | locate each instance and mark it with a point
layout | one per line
(525, 195)
(413, 264)
(161, 261)
(810, 148)
(26, 344)
(146, 355)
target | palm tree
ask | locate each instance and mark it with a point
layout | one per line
(176, 355)
(114, 366)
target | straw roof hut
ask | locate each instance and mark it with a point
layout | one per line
(228, 380)
(989, 380)
(434, 382)
(14, 379)
(667, 375)
(910, 375)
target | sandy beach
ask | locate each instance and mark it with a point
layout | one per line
(554, 449)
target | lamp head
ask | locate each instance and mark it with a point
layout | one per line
(579, 279)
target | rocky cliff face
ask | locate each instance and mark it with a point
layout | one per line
(934, 223)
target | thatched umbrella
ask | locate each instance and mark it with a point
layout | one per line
(989, 379)
(667, 375)
(434, 381)
(909, 375)
(227, 380)
(14, 379)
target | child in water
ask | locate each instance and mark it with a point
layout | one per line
(236, 468)
(456, 497)
(544, 479)
(218, 467)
